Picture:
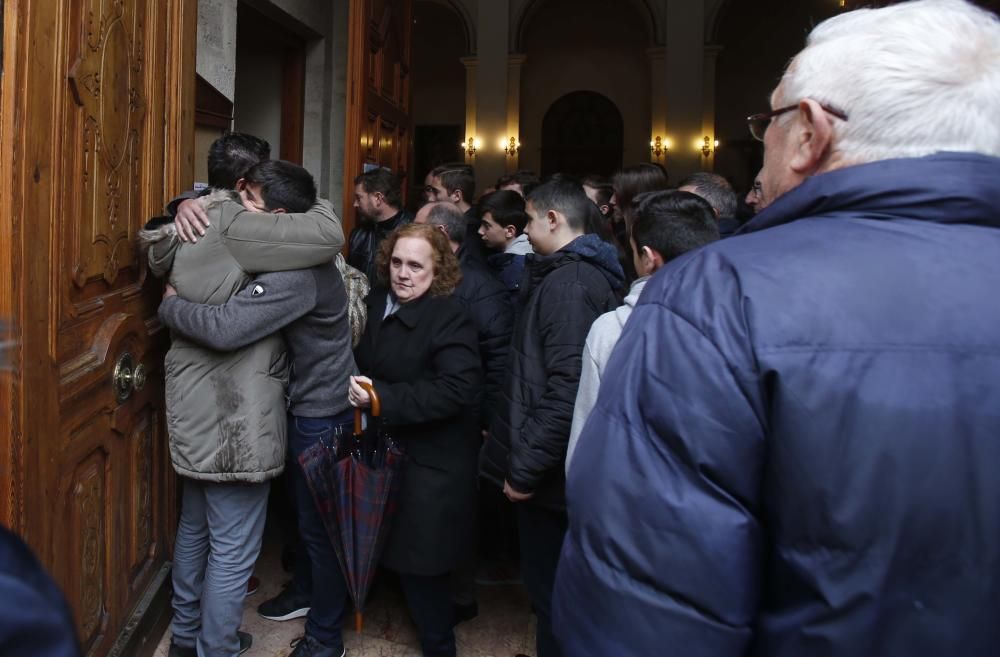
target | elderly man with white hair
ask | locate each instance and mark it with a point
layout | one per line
(795, 447)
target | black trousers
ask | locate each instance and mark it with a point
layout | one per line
(429, 601)
(541, 533)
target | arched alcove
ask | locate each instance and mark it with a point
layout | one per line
(594, 50)
(582, 132)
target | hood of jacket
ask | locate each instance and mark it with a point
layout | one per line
(948, 188)
(587, 248)
(623, 311)
(520, 246)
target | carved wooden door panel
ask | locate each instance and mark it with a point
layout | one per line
(104, 102)
(378, 108)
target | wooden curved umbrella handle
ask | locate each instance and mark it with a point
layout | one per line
(376, 407)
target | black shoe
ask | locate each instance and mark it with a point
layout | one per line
(462, 613)
(246, 640)
(286, 605)
(181, 651)
(306, 646)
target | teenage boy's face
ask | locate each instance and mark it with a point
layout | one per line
(435, 191)
(538, 231)
(493, 234)
(252, 198)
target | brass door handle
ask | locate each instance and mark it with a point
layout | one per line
(128, 377)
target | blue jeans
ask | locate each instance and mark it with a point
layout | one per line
(329, 590)
(218, 540)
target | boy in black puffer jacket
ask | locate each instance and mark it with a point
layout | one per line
(573, 279)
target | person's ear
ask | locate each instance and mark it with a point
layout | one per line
(604, 209)
(812, 138)
(456, 197)
(441, 227)
(241, 184)
(509, 232)
(553, 218)
(652, 256)
(279, 211)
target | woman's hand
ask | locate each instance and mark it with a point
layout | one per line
(357, 395)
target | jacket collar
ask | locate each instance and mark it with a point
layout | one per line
(958, 188)
(409, 314)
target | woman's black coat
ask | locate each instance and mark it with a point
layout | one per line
(425, 366)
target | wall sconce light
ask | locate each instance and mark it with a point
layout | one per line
(707, 146)
(658, 146)
(471, 146)
(511, 146)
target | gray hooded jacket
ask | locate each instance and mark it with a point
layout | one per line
(601, 341)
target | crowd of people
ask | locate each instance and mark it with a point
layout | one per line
(715, 438)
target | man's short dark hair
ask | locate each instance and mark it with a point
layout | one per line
(385, 182)
(673, 223)
(457, 176)
(715, 189)
(283, 185)
(232, 155)
(449, 216)
(525, 179)
(568, 198)
(506, 207)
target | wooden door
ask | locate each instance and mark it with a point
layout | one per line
(96, 133)
(378, 97)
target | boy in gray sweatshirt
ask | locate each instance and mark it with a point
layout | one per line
(666, 225)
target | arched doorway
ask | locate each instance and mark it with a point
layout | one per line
(582, 132)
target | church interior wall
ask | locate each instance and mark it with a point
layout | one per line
(607, 56)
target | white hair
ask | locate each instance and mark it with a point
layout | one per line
(914, 79)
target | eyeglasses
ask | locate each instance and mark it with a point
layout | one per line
(758, 122)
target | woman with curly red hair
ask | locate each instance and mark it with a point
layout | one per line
(420, 352)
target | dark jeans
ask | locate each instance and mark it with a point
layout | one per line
(541, 533)
(429, 602)
(329, 590)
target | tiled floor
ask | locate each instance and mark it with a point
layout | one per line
(504, 627)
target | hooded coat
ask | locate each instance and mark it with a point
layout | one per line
(563, 294)
(794, 451)
(226, 410)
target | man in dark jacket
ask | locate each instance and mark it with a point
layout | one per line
(572, 281)
(484, 296)
(378, 200)
(795, 444)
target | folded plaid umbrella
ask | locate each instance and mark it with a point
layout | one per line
(354, 486)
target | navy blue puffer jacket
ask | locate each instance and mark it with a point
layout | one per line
(795, 450)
